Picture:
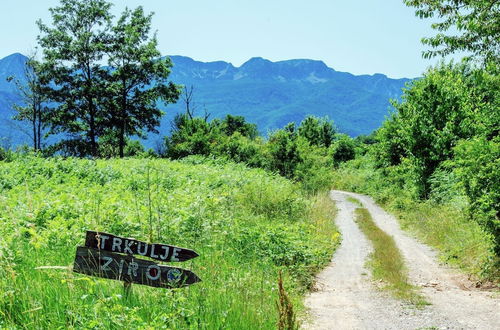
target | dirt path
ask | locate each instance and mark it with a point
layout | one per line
(346, 298)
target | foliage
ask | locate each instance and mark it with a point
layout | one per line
(343, 149)
(237, 124)
(139, 78)
(317, 131)
(241, 149)
(246, 224)
(190, 136)
(33, 108)
(441, 222)
(477, 23)
(283, 151)
(389, 149)
(477, 166)
(92, 101)
(442, 141)
(296, 153)
(73, 50)
(436, 112)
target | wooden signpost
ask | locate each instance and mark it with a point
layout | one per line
(109, 256)
(161, 252)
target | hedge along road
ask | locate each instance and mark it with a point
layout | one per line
(346, 298)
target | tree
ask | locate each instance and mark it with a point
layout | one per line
(283, 151)
(318, 131)
(435, 113)
(232, 124)
(138, 78)
(477, 165)
(33, 99)
(191, 136)
(73, 51)
(477, 23)
(343, 150)
(390, 149)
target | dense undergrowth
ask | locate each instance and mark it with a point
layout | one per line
(246, 224)
(441, 221)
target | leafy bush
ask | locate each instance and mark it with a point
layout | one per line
(343, 150)
(477, 165)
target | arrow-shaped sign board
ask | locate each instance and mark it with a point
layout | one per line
(162, 252)
(126, 268)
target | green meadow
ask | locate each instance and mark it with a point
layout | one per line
(246, 224)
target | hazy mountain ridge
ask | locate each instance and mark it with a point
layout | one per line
(270, 94)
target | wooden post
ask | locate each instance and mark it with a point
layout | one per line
(127, 287)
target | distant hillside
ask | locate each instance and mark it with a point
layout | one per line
(270, 94)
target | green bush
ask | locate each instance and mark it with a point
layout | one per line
(477, 166)
(343, 149)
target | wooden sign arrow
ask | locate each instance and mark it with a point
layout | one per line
(162, 252)
(115, 266)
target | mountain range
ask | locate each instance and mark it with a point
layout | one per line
(269, 94)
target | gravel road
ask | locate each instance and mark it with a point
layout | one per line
(346, 298)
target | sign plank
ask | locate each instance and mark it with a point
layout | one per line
(126, 268)
(162, 252)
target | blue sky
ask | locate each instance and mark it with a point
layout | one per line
(358, 36)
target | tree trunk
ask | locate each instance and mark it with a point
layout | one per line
(122, 138)
(92, 133)
(122, 122)
(33, 122)
(39, 129)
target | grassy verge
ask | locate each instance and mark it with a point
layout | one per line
(386, 262)
(445, 226)
(354, 201)
(246, 224)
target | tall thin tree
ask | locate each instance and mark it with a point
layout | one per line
(139, 78)
(33, 101)
(73, 53)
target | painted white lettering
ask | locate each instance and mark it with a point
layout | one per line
(153, 272)
(132, 268)
(117, 242)
(153, 255)
(126, 247)
(107, 260)
(103, 239)
(144, 251)
(120, 271)
(164, 256)
(175, 254)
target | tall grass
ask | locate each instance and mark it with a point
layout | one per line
(386, 261)
(246, 224)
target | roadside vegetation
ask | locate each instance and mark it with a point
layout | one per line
(246, 224)
(435, 164)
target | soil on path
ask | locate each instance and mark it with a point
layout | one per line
(346, 297)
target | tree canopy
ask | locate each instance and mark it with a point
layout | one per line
(473, 26)
(93, 102)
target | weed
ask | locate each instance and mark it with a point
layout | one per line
(354, 201)
(286, 319)
(386, 261)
